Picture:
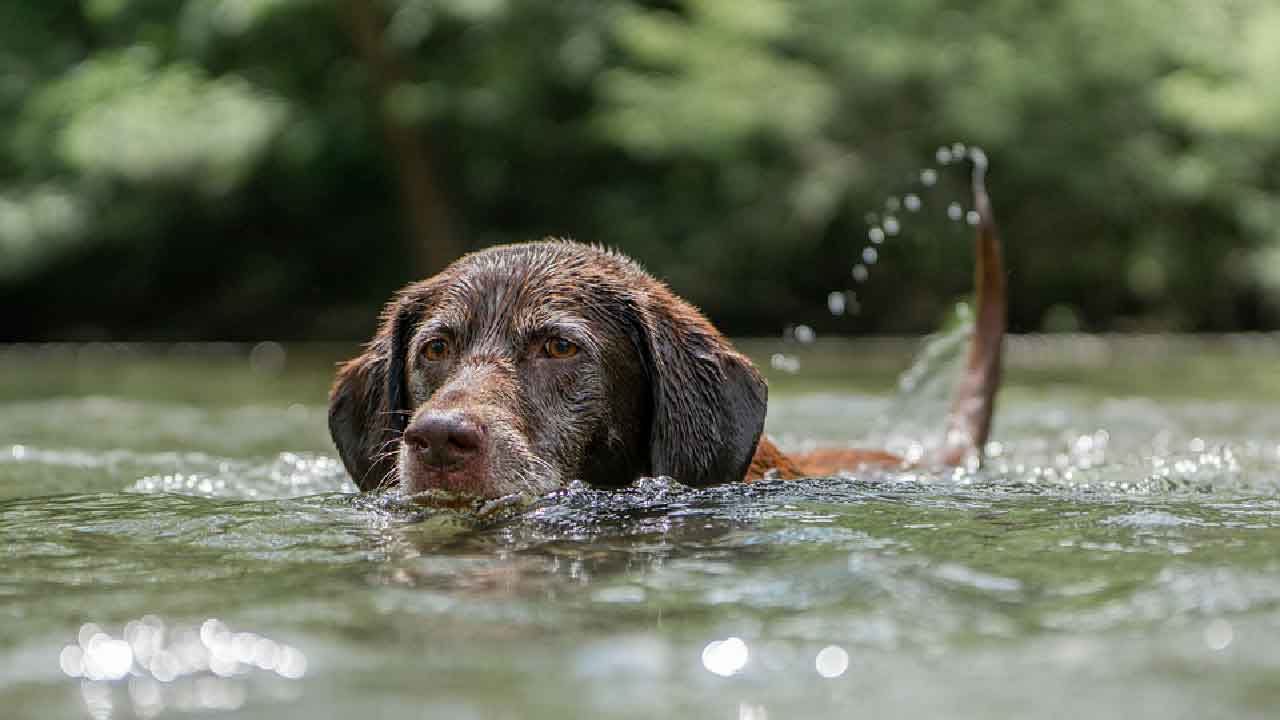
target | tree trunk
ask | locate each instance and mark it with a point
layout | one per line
(433, 242)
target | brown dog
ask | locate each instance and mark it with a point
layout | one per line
(522, 367)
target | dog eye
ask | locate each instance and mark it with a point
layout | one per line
(559, 348)
(435, 349)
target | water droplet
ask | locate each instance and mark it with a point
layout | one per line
(929, 177)
(831, 661)
(972, 217)
(785, 363)
(954, 211)
(87, 631)
(957, 151)
(836, 303)
(107, 658)
(875, 235)
(870, 255)
(911, 202)
(71, 660)
(891, 226)
(892, 203)
(943, 155)
(860, 274)
(725, 657)
(805, 334)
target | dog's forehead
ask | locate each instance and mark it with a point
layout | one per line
(521, 287)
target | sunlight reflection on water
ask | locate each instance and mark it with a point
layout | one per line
(291, 475)
(726, 657)
(831, 661)
(184, 668)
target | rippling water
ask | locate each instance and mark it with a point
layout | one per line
(179, 538)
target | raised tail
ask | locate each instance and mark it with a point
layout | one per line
(969, 421)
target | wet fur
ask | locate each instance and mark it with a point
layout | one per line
(655, 390)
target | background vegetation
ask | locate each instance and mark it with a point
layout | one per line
(248, 168)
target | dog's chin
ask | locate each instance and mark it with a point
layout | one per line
(469, 482)
(484, 479)
(474, 480)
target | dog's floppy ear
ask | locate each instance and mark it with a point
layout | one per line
(368, 405)
(708, 400)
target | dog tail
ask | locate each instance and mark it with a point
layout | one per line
(969, 420)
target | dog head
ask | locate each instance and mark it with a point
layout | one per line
(522, 367)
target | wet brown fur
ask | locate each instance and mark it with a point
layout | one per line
(655, 389)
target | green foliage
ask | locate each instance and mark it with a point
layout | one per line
(706, 84)
(172, 168)
(117, 116)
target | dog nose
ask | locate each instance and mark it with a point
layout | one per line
(446, 440)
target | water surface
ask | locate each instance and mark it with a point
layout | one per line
(179, 538)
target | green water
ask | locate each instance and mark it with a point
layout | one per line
(179, 541)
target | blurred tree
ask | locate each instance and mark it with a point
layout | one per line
(174, 168)
(433, 238)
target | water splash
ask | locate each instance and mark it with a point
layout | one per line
(289, 474)
(880, 229)
(909, 426)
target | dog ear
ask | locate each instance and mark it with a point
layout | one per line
(368, 405)
(709, 401)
